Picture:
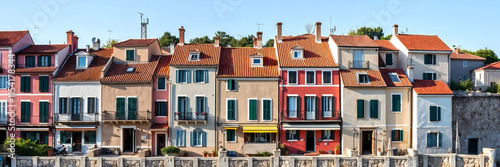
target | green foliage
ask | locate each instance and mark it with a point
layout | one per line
(201, 40)
(466, 85)
(110, 43)
(269, 43)
(494, 88)
(170, 150)
(370, 31)
(489, 54)
(26, 147)
(167, 38)
(224, 38)
(243, 42)
(263, 154)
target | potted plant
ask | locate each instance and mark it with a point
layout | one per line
(300, 152)
(214, 153)
(205, 153)
(337, 149)
(170, 151)
(186, 153)
(320, 151)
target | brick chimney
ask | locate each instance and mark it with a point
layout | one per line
(395, 29)
(318, 32)
(181, 35)
(69, 40)
(457, 50)
(259, 40)
(75, 43)
(278, 33)
(216, 41)
(172, 48)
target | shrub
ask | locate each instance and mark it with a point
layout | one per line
(170, 150)
(493, 88)
(466, 85)
(26, 147)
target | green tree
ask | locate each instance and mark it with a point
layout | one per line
(489, 54)
(269, 43)
(201, 40)
(110, 43)
(167, 38)
(370, 31)
(243, 42)
(224, 38)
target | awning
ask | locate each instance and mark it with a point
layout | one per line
(32, 129)
(260, 129)
(230, 128)
(76, 127)
(159, 127)
(311, 126)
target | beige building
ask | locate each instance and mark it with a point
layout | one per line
(247, 98)
(388, 55)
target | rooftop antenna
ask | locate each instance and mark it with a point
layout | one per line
(110, 33)
(332, 30)
(258, 26)
(36, 30)
(144, 27)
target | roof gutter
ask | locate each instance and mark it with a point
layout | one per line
(429, 51)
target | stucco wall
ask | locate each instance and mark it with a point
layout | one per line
(24, 42)
(459, 71)
(141, 54)
(399, 120)
(487, 76)
(394, 59)
(82, 90)
(440, 68)
(370, 55)
(112, 134)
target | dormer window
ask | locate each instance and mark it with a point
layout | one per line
(130, 69)
(394, 77)
(363, 78)
(81, 62)
(297, 53)
(194, 56)
(256, 60)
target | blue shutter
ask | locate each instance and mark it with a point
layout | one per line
(439, 114)
(400, 135)
(177, 137)
(287, 133)
(183, 133)
(192, 138)
(429, 140)
(433, 113)
(433, 59)
(39, 62)
(440, 139)
(195, 79)
(206, 76)
(204, 137)
(188, 76)
(434, 76)
(49, 61)
(177, 76)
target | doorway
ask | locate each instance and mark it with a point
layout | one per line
(3, 135)
(366, 140)
(160, 142)
(310, 142)
(128, 138)
(473, 146)
(77, 142)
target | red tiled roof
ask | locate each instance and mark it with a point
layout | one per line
(492, 66)
(354, 41)
(162, 69)
(315, 54)
(236, 62)
(431, 87)
(159, 126)
(43, 49)
(349, 78)
(136, 42)
(465, 56)
(423, 42)
(386, 45)
(35, 70)
(209, 55)
(143, 72)
(69, 72)
(10, 38)
(402, 77)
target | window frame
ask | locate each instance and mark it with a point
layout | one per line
(183, 73)
(158, 84)
(233, 85)
(199, 135)
(331, 104)
(358, 75)
(248, 109)
(195, 76)
(270, 109)
(433, 75)
(294, 138)
(393, 74)
(300, 55)
(165, 108)
(433, 59)
(314, 77)
(78, 62)
(400, 102)
(235, 109)
(260, 64)
(332, 134)
(86, 133)
(397, 134)
(297, 110)
(6, 81)
(204, 105)
(196, 54)
(392, 59)
(31, 64)
(438, 112)
(437, 139)
(180, 133)
(235, 138)
(296, 77)
(323, 77)
(95, 105)
(465, 63)
(126, 56)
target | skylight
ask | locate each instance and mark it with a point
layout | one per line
(394, 77)
(130, 69)
(256, 60)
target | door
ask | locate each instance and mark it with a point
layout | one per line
(367, 142)
(357, 58)
(77, 142)
(3, 135)
(75, 109)
(473, 145)
(310, 141)
(128, 140)
(160, 140)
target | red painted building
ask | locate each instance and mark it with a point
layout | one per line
(309, 93)
(159, 128)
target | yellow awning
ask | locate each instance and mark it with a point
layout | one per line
(260, 129)
(230, 128)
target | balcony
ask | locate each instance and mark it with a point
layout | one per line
(359, 64)
(76, 118)
(309, 116)
(30, 119)
(126, 116)
(188, 117)
(29, 68)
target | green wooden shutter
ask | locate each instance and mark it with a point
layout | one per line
(231, 107)
(39, 62)
(396, 102)
(393, 135)
(440, 143)
(433, 113)
(361, 108)
(25, 84)
(229, 85)
(132, 108)
(253, 110)
(130, 55)
(287, 133)
(429, 140)
(43, 108)
(62, 136)
(439, 114)
(425, 76)
(373, 108)
(388, 59)
(298, 107)
(400, 135)
(426, 59)
(49, 61)
(433, 59)
(120, 108)
(434, 76)
(267, 110)
(43, 83)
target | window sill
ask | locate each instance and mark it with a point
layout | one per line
(161, 90)
(231, 142)
(160, 116)
(292, 140)
(396, 112)
(327, 139)
(396, 141)
(231, 90)
(253, 120)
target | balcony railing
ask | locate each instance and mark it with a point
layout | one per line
(190, 116)
(359, 64)
(28, 119)
(31, 65)
(310, 115)
(126, 115)
(66, 117)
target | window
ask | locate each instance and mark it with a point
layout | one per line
(65, 137)
(310, 104)
(292, 77)
(257, 61)
(327, 135)
(310, 77)
(130, 55)
(396, 103)
(82, 62)
(63, 105)
(231, 109)
(126, 108)
(200, 105)
(25, 111)
(231, 85)
(327, 77)
(76, 108)
(38, 137)
(266, 110)
(292, 135)
(429, 76)
(465, 63)
(162, 84)
(182, 108)
(327, 106)
(358, 59)
(297, 54)
(4, 82)
(361, 108)
(373, 108)
(231, 135)
(194, 56)
(396, 135)
(363, 79)
(44, 61)
(434, 139)
(252, 109)
(260, 138)
(43, 83)
(293, 106)
(429, 59)
(43, 111)
(89, 137)
(3, 109)
(388, 59)
(29, 61)
(25, 83)
(434, 113)
(183, 76)
(180, 140)
(160, 108)
(91, 105)
(394, 77)
(197, 138)
(201, 76)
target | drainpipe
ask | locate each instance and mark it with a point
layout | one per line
(53, 113)
(340, 114)
(411, 118)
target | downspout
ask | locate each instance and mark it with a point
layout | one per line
(411, 117)
(278, 137)
(217, 123)
(53, 113)
(216, 102)
(340, 117)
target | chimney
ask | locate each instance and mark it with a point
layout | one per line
(97, 44)
(259, 40)
(457, 50)
(278, 33)
(75, 43)
(69, 39)
(395, 29)
(216, 41)
(88, 48)
(172, 47)
(375, 37)
(318, 32)
(181, 35)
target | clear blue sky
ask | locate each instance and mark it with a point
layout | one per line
(470, 24)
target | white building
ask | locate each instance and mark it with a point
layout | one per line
(486, 76)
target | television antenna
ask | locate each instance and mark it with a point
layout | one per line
(258, 26)
(332, 30)
(110, 33)
(144, 26)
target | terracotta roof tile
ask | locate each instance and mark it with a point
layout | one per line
(10, 38)
(136, 42)
(315, 54)
(42, 49)
(492, 66)
(69, 73)
(209, 55)
(159, 126)
(349, 78)
(143, 72)
(423, 42)
(236, 62)
(162, 69)
(405, 82)
(35, 70)
(465, 56)
(431, 87)
(386, 45)
(354, 41)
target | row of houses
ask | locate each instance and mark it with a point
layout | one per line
(307, 93)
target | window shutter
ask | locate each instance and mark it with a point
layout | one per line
(434, 76)
(440, 141)
(334, 112)
(287, 107)
(433, 59)
(206, 76)
(393, 135)
(39, 61)
(323, 107)
(188, 76)
(426, 59)
(400, 135)
(298, 106)
(49, 61)
(267, 109)
(23, 82)
(62, 136)
(229, 85)
(177, 137)
(425, 76)
(388, 59)
(297, 136)
(361, 108)
(429, 140)
(333, 134)
(204, 134)
(439, 114)
(373, 108)
(287, 133)
(396, 102)
(253, 110)
(177, 76)
(192, 139)
(433, 113)
(316, 112)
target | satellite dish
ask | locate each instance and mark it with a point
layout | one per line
(93, 40)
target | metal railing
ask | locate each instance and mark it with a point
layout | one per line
(29, 119)
(68, 117)
(359, 64)
(310, 115)
(126, 115)
(31, 65)
(190, 116)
